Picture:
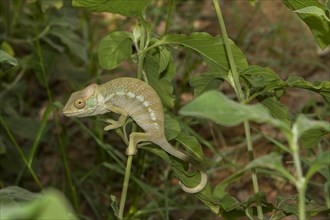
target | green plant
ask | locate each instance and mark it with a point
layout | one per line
(154, 56)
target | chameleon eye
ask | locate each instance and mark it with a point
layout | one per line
(79, 103)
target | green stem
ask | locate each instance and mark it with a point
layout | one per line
(20, 152)
(41, 129)
(301, 204)
(300, 183)
(125, 186)
(141, 47)
(130, 157)
(233, 74)
(171, 4)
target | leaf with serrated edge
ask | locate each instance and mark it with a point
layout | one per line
(115, 48)
(315, 18)
(125, 8)
(161, 82)
(206, 81)
(211, 48)
(216, 107)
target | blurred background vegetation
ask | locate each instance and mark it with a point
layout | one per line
(56, 49)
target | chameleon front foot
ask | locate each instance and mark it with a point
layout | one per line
(112, 125)
(116, 124)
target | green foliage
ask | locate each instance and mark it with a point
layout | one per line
(322, 88)
(48, 46)
(122, 7)
(115, 48)
(7, 58)
(160, 71)
(217, 107)
(315, 15)
(18, 203)
(212, 49)
(206, 81)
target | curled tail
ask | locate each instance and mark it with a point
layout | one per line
(165, 145)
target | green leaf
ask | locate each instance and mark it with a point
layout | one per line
(267, 87)
(192, 145)
(312, 137)
(251, 204)
(122, 7)
(6, 47)
(51, 204)
(313, 14)
(114, 205)
(160, 81)
(275, 107)
(6, 58)
(164, 58)
(271, 161)
(205, 82)
(70, 39)
(218, 108)
(228, 203)
(212, 49)
(322, 88)
(287, 205)
(48, 4)
(303, 125)
(313, 11)
(172, 127)
(115, 48)
(261, 78)
(16, 195)
(252, 2)
(190, 179)
(322, 161)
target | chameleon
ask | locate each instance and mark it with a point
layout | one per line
(130, 97)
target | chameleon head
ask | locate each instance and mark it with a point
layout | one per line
(82, 103)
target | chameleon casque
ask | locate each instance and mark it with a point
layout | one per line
(130, 97)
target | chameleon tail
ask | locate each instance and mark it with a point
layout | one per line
(165, 145)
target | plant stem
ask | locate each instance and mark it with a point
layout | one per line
(235, 79)
(25, 160)
(300, 183)
(301, 204)
(171, 4)
(125, 187)
(141, 47)
(130, 157)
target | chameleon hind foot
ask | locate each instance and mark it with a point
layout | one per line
(134, 139)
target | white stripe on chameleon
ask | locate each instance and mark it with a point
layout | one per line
(100, 98)
(107, 98)
(120, 93)
(140, 98)
(130, 94)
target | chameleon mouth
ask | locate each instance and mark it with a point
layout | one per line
(67, 113)
(78, 114)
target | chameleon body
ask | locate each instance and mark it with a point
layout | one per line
(130, 97)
